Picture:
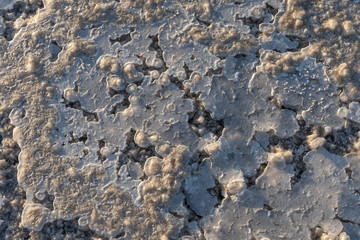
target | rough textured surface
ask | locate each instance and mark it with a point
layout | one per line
(161, 119)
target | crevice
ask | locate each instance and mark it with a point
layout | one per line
(240, 55)
(188, 71)
(112, 92)
(119, 235)
(191, 217)
(101, 157)
(345, 220)
(250, 181)
(268, 207)
(349, 172)
(207, 24)
(288, 108)
(211, 72)
(149, 107)
(154, 46)
(257, 55)
(82, 139)
(118, 107)
(134, 153)
(340, 142)
(158, 94)
(123, 104)
(177, 82)
(302, 43)
(200, 119)
(299, 169)
(270, 9)
(198, 157)
(91, 117)
(175, 214)
(253, 24)
(123, 39)
(298, 145)
(251, 21)
(217, 192)
(85, 151)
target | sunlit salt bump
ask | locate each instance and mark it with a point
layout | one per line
(34, 216)
(235, 187)
(70, 95)
(141, 139)
(153, 166)
(116, 83)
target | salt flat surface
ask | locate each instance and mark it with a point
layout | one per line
(162, 119)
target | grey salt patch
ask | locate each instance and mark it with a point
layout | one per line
(175, 54)
(353, 230)
(196, 192)
(8, 4)
(2, 25)
(277, 42)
